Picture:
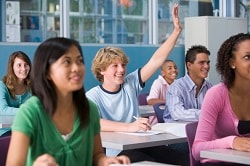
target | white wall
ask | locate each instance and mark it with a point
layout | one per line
(211, 32)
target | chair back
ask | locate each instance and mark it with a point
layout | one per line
(4, 146)
(159, 109)
(190, 132)
(142, 98)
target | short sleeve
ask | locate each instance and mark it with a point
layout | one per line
(26, 117)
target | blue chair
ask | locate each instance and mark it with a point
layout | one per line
(4, 147)
(190, 132)
(142, 98)
(159, 108)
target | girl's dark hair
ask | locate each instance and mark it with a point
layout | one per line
(226, 51)
(10, 79)
(46, 54)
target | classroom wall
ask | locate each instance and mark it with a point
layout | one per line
(138, 56)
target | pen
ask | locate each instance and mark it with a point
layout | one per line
(135, 117)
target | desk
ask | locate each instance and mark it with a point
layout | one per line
(6, 121)
(122, 141)
(146, 110)
(227, 155)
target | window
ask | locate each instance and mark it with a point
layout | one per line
(109, 21)
(39, 20)
(100, 21)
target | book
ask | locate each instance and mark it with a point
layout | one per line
(175, 128)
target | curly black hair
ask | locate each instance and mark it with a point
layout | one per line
(226, 51)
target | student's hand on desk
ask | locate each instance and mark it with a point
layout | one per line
(115, 160)
(141, 124)
(241, 143)
(45, 160)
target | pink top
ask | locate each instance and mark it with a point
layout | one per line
(158, 89)
(218, 123)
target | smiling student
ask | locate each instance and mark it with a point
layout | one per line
(15, 85)
(169, 72)
(117, 96)
(58, 125)
(225, 117)
(185, 95)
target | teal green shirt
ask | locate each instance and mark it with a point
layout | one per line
(8, 105)
(34, 122)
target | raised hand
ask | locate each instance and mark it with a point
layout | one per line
(175, 18)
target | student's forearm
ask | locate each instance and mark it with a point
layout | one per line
(160, 55)
(99, 154)
(168, 45)
(154, 101)
(108, 125)
(6, 110)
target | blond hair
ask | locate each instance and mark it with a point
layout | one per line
(104, 57)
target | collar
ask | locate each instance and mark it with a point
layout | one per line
(190, 83)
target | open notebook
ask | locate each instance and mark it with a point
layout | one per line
(175, 128)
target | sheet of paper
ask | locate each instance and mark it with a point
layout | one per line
(142, 163)
(143, 133)
(174, 128)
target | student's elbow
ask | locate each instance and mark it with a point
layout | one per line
(195, 152)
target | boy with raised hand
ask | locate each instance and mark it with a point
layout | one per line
(117, 97)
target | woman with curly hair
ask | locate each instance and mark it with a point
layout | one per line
(15, 86)
(224, 123)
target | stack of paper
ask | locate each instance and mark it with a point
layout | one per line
(175, 128)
